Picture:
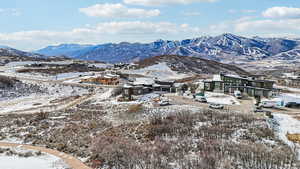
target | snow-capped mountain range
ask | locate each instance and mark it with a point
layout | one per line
(8, 51)
(186, 65)
(226, 48)
(64, 49)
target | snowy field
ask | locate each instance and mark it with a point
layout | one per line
(160, 71)
(221, 98)
(102, 65)
(43, 161)
(287, 97)
(296, 90)
(287, 124)
(54, 97)
(11, 68)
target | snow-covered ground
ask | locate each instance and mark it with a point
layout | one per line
(63, 76)
(102, 96)
(102, 65)
(148, 97)
(23, 63)
(11, 68)
(221, 98)
(53, 92)
(287, 124)
(44, 161)
(161, 71)
(288, 97)
(297, 90)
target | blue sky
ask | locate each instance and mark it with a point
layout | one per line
(34, 24)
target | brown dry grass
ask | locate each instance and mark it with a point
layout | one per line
(136, 108)
(294, 137)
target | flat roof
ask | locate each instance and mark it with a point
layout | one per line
(263, 81)
(250, 87)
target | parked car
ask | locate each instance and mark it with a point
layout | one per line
(268, 104)
(273, 103)
(292, 105)
(164, 103)
(238, 94)
(216, 106)
(258, 109)
(201, 99)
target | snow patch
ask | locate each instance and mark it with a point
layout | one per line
(44, 161)
(287, 124)
(160, 71)
(220, 98)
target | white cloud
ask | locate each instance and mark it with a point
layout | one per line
(10, 11)
(255, 26)
(219, 28)
(102, 33)
(277, 21)
(163, 2)
(282, 12)
(269, 25)
(117, 11)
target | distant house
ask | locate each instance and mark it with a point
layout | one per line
(126, 66)
(108, 79)
(250, 85)
(180, 88)
(164, 86)
(295, 82)
(141, 86)
(290, 79)
(130, 90)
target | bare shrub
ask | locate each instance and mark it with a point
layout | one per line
(136, 108)
(42, 116)
(7, 81)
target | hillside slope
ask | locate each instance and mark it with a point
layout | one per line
(63, 49)
(186, 64)
(13, 55)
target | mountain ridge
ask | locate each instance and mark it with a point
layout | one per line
(8, 51)
(225, 48)
(188, 64)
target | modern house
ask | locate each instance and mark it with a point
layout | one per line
(126, 66)
(164, 86)
(290, 79)
(107, 79)
(141, 86)
(251, 85)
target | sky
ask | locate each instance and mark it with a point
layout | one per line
(33, 24)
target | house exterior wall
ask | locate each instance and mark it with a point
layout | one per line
(208, 86)
(230, 83)
(102, 80)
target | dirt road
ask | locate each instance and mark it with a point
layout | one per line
(68, 159)
(51, 108)
(246, 106)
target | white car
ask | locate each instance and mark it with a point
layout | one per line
(268, 104)
(164, 103)
(238, 94)
(201, 99)
(216, 106)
